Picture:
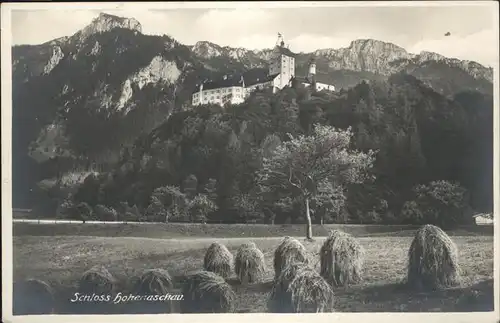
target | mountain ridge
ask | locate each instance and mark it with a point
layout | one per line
(345, 57)
(363, 55)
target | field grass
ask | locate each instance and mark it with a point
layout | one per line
(61, 257)
(188, 231)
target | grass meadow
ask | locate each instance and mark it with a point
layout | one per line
(60, 253)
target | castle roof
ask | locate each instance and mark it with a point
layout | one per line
(257, 75)
(250, 77)
(285, 51)
(225, 81)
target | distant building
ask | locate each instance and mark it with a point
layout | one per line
(483, 219)
(281, 72)
(318, 81)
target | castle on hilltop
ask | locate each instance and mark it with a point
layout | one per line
(281, 73)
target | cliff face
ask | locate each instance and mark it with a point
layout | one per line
(364, 55)
(385, 58)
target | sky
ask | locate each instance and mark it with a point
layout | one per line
(473, 28)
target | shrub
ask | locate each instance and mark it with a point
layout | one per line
(249, 264)
(128, 213)
(207, 292)
(246, 208)
(97, 280)
(83, 212)
(289, 251)
(200, 207)
(411, 213)
(173, 201)
(66, 210)
(33, 296)
(299, 289)
(133, 214)
(156, 212)
(341, 258)
(218, 259)
(105, 213)
(433, 260)
(440, 203)
(153, 282)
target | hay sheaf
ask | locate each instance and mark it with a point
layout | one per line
(33, 296)
(341, 258)
(218, 259)
(300, 289)
(432, 260)
(153, 282)
(249, 264)
(97, 280)
(207, 292)
(288, 252)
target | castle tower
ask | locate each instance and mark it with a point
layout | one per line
(282, 63)
(312, 71)
(312, 67)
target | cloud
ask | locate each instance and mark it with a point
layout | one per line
(35, 27)
(481, 46)
(311, 42)
(224, 26)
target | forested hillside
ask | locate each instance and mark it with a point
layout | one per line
(206, 160)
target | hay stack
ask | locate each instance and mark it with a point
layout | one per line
(97, 280)
(153, 282)
(433, 260)
(300, 289)
(249, 264)
(33, 296)
(207, 292)
(288, 252)
(248, 245)
(341, 258)
(218, 259)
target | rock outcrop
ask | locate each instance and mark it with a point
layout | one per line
(159, 70)
(57, 56)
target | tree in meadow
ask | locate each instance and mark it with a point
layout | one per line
(199, 208)
(168, 202)
(305, 165)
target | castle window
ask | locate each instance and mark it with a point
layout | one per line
(218, 97)
(218, 91)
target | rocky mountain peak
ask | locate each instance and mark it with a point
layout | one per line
(378, 47)
(373, 44)
(105, 22)
(430, 56)
(365, 55)
(207, 49)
